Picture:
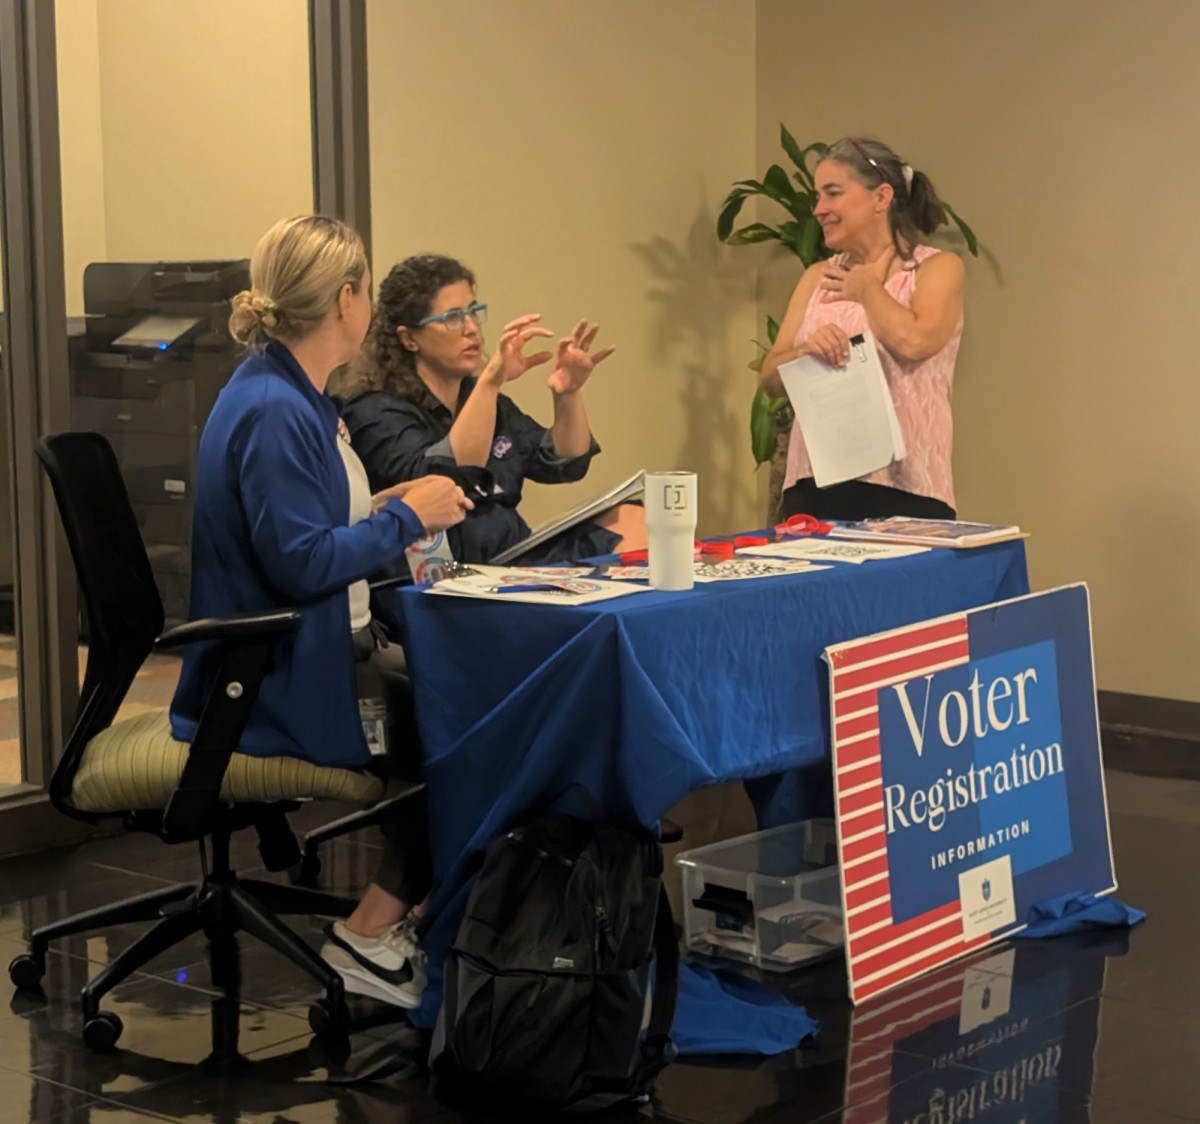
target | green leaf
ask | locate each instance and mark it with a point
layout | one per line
(809, 242)
(733, 205)
(762, 427)
(777, 186)
(755, 232)
(772, 329)
(791, 147)
(967, 233)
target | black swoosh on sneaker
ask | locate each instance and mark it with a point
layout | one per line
(395, 977)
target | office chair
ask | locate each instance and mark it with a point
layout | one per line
(136, 771)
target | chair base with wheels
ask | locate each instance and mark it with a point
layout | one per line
(220, 906)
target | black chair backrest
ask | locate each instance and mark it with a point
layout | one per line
(125, 613)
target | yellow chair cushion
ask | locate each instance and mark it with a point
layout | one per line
(136, 764)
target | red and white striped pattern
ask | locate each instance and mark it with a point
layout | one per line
(881, 954)
(879, 1026)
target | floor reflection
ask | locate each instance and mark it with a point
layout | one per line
(990, 1038)
(1095, 1028)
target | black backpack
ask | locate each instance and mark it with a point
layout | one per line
(548, 1000)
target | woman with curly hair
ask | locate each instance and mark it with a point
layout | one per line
(419, 403)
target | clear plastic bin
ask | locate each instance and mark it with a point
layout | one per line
(771, 898)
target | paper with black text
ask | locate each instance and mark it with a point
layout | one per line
(846, 413)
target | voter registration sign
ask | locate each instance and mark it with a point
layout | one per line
(968, 781)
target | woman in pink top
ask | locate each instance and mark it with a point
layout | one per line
(874, 209)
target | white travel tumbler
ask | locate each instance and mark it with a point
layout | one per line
(671, 528)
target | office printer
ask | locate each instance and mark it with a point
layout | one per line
(147, 361)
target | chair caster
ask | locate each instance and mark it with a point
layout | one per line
(26, 972)
(328, 1022)
(101, 1031)
(329, 1053)
(306, 872)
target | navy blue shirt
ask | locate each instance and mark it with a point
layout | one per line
(398, 440)
(270, 532)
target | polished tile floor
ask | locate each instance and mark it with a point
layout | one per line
(1102, 1028)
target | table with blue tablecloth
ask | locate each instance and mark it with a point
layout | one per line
(642, 699)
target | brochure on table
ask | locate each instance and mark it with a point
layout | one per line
(825, 550)
(927, 532)
(740, 569)
(968, 781)
(532, 585)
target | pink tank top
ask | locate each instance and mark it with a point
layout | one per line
(920, 391)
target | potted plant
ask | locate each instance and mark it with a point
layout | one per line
(801, 233)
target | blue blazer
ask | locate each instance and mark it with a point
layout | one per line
(270, 531)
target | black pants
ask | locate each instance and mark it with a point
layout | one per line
(406, 868)
(856, 499)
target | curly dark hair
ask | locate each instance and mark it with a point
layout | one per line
(915, 208)
(405, 297)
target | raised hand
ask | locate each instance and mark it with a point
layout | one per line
(509, 362)
(575, 359)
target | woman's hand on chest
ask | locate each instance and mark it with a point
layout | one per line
(845, 282)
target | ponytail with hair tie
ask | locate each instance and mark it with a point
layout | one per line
(264, 308)
(296, 273)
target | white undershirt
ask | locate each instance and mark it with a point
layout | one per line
(360, 509)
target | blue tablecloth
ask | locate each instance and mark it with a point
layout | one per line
(645, 698)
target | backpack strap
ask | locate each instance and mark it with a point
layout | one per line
(658, 1048)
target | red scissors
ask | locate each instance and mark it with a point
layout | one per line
(802, 525)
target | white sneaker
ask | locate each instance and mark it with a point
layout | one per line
(390, 968)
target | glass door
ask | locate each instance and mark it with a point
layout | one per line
(144, 148)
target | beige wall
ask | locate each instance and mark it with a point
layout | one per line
(573, 154)
(81, 142)
(185, 127)
(1066, 142)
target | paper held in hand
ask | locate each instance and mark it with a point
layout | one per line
(845, 413)
(626, 490)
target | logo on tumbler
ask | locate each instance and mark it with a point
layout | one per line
(675, 497)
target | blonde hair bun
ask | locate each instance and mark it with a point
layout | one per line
(296, 273)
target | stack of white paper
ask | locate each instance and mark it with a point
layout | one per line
(846, 413)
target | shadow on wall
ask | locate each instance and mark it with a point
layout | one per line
(700, 288)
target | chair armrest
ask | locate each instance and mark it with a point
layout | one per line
(245, 659)
(236, 626)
